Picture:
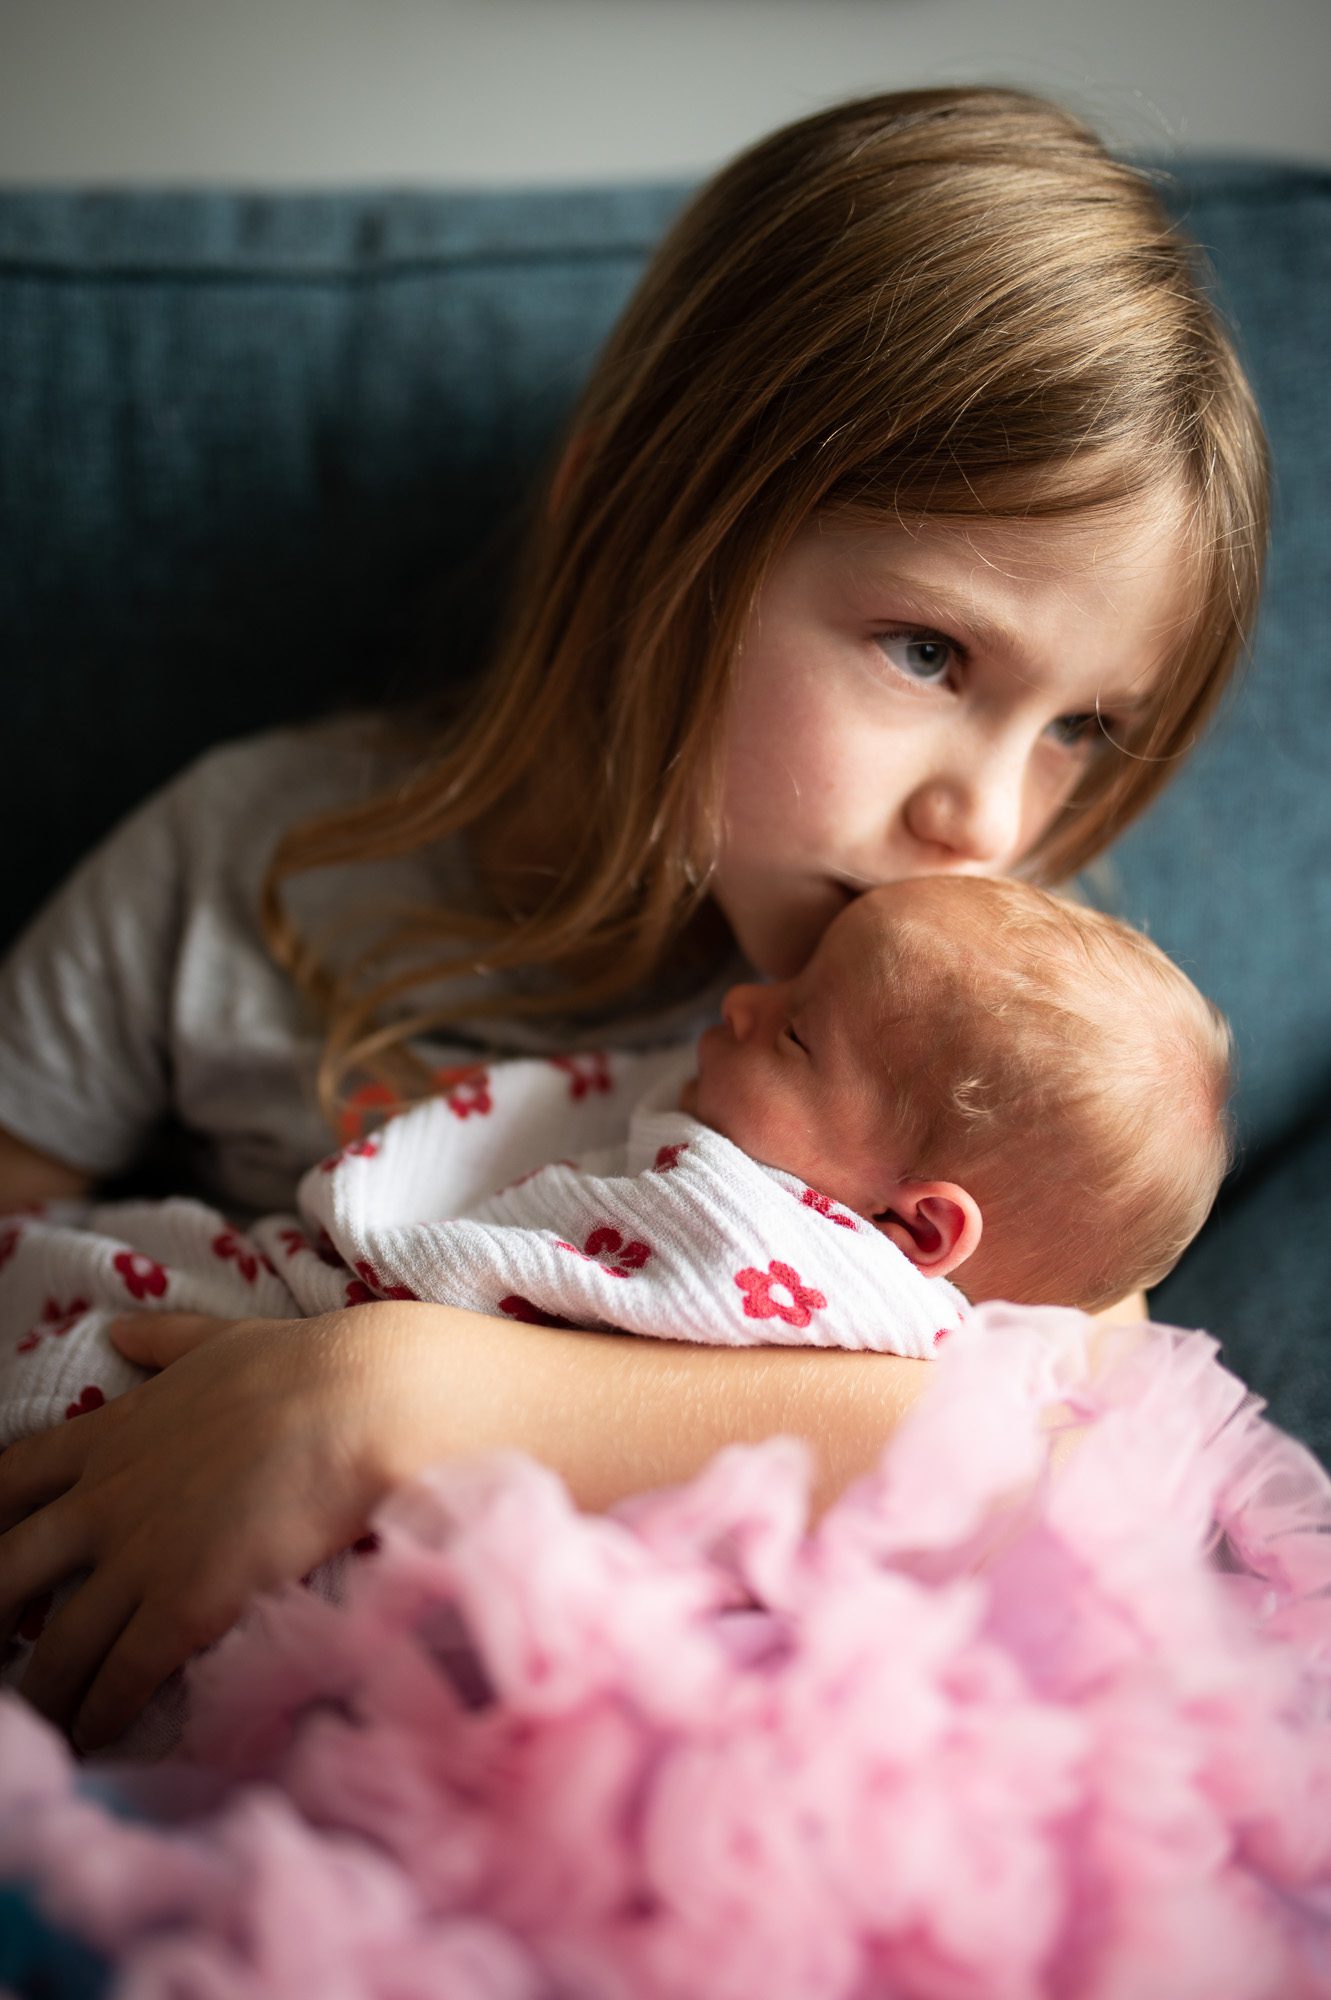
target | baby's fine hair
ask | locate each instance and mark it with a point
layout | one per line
(1070, 1075)
(944, 303)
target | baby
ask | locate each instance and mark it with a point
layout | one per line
(968, 1081)
(1012, 1088)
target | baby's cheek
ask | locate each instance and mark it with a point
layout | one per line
(746, 1106)
(774, 1133)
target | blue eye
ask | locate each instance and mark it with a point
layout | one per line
(1081, 732)
(923, 657)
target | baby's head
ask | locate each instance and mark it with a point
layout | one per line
(1018, 1091)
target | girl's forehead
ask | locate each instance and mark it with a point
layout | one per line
(1111, 544)
(1116, 586)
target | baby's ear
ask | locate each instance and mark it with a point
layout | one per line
(936, 1223)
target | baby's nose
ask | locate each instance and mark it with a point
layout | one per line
(739, 1010)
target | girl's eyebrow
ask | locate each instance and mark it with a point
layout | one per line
(936, 600)
(985, 635)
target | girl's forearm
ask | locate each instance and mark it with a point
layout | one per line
(616, 1413)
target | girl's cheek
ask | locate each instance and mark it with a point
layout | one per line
(1050, 782)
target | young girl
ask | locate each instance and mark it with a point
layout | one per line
(911, 522)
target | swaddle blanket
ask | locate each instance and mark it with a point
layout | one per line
(614, 1210)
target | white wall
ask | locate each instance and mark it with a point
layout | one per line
(313, 92)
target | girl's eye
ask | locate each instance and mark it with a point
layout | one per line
(790, 1032)
(923, 657)
(1082, 732)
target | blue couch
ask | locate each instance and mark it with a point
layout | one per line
(260, 452)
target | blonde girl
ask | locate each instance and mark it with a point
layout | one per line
(912, 521)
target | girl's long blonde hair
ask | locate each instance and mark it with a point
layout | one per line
(940, 302)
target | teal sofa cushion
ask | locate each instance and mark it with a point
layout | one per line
(252, 452)
(259, 453)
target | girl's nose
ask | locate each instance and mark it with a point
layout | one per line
(740, 1009)
(972, 816)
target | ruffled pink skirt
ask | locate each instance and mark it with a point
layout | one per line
(995, 1726)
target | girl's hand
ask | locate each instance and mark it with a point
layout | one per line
(155, 1340)
(241, 1466)
(266, 1444)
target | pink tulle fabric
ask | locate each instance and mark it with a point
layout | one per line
(995, 1725)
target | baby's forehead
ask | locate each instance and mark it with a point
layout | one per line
(965, 952)
(886, 928)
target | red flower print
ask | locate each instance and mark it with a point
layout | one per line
(366, 1271)
(606, 1247)
(632, 1256)
(56, 1320)
(364, 1148)
(143, 1277)
(229, 1245)
(758, 1287)
(822, 1206)
(295, 1240)
(444, 1079)
(361, 1107)
(64, 1316)
(359, 1294)
(471, 1097)
(32, 1622)
(586, 1073)
(523, 1309)
(90, 1399)
(327, 1252)
(668, 1157)
(9, 1242)
(941, 1333)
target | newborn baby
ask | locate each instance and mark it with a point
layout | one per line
(968, 1080)
(1010, 1087)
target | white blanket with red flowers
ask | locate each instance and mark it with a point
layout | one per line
(615, 1210)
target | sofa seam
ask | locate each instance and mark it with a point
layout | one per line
(72, 272)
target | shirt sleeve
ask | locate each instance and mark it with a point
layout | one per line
(84, 998)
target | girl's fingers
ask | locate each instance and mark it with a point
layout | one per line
(39, 1469)
(146, 1651)
(37, 1555)
(155, 1340)
(74, 1644)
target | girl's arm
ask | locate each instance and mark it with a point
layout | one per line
(263, 1449)
(27, 1175)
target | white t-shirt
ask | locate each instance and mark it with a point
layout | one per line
(141, 1014)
